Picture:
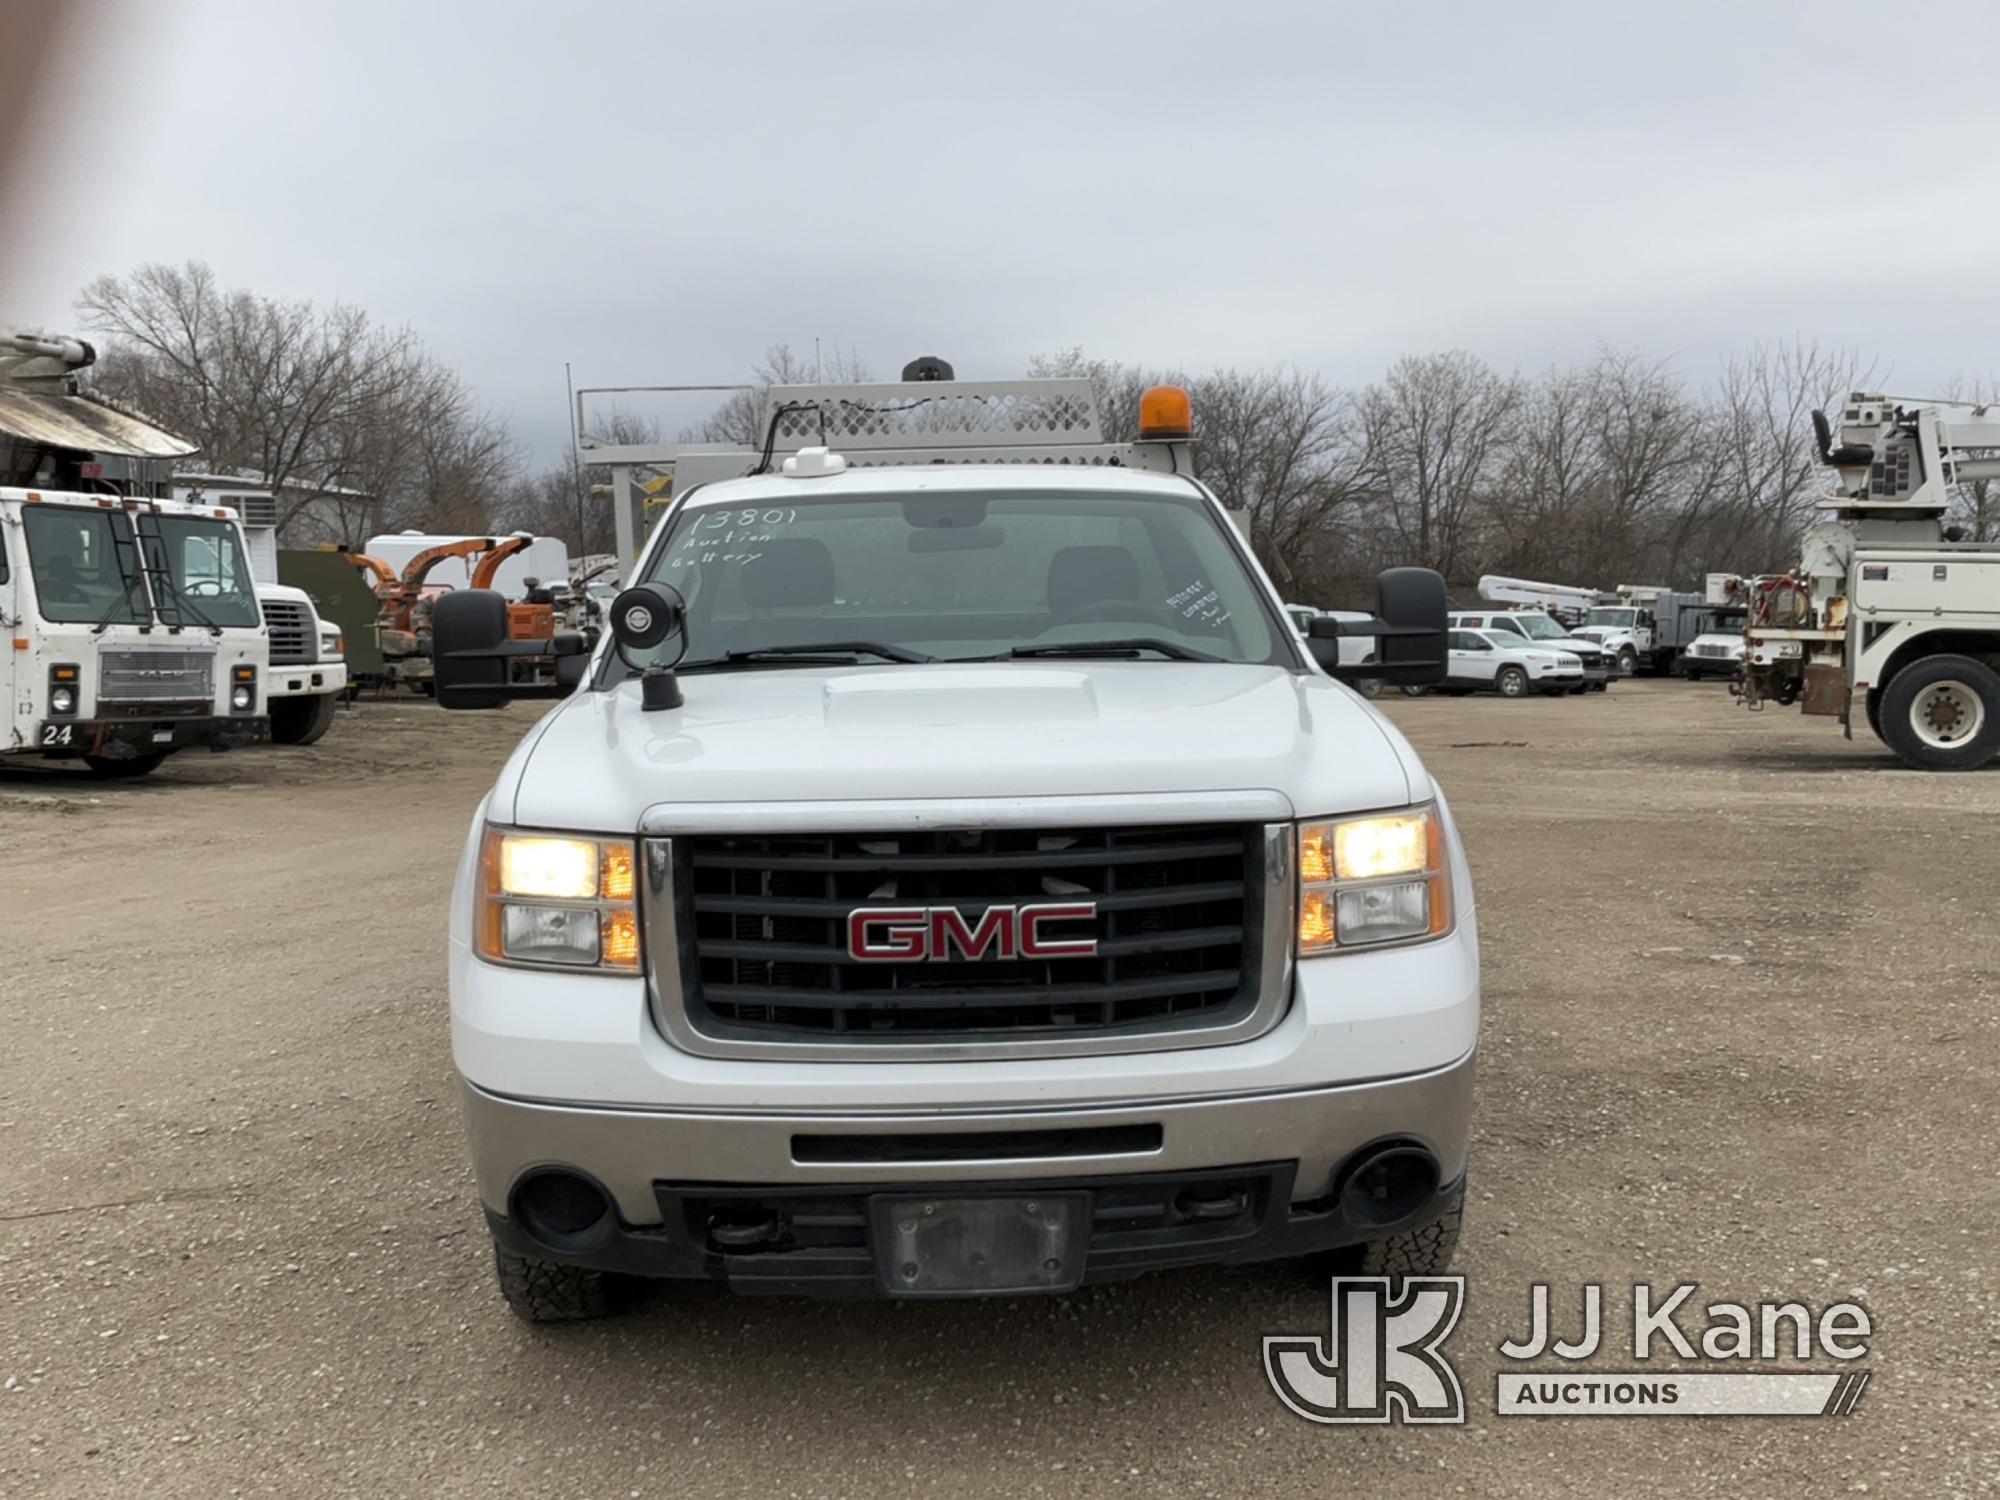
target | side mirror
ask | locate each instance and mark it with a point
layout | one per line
(468, 627)
(1408, 629)
(472, 657)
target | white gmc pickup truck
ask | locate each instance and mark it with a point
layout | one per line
(956, 878)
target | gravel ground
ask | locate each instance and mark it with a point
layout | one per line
(1740, 1030)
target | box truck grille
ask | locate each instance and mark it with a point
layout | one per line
(155, 677)
(763, 923)
(291, 627)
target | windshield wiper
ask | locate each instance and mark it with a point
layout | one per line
(125, 601)
(811, 654)
(183, 605)
(1131, 647)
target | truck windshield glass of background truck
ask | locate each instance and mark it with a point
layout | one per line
(1541, 628)
(80, 577)
(212, 584)
(1616, 619)
(963, 577)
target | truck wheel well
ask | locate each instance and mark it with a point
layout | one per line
(1980, 645)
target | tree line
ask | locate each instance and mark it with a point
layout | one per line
(1613, 470)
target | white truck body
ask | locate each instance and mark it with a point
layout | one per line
(134, 625)
(1883, 611)
(307, 671)
(702, 1110)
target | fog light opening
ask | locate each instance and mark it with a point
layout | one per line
(1387, 1185)
(563, 1210)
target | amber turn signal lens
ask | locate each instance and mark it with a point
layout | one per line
(621, 940)
(616, 874)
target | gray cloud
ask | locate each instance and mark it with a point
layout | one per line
(657, 192)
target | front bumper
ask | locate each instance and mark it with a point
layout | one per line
(302, 679)
(126, 738)
(672, 1175)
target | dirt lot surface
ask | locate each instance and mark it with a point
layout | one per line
(1741, 982)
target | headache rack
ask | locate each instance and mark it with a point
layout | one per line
(936, 420)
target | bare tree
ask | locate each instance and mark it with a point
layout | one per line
(1765, 468)
(349, 423)
(1435, 429)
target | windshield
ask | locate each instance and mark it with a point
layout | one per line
(965, 576)
(1622, 619)
(1541, 627)
(79, 575)
(210, 579)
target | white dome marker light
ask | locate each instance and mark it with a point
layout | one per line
(814, 463)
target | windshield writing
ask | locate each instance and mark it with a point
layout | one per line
(964, 577)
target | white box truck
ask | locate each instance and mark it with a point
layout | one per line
(307, 672)
(952, 875)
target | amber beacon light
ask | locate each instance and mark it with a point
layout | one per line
(1165, 412)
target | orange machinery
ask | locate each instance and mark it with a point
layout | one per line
(402, 620)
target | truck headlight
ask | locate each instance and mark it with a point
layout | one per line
(332, 647)
(549, 899)
(1372, 880)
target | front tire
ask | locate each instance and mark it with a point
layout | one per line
(545, 1291)
(131, 768)
(1512, 682)
(301, 721)
(1628, 661)
(1424, 1251)
(1943, 714)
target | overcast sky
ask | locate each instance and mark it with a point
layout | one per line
(656, 192)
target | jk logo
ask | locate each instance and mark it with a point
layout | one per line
(1379, 1361)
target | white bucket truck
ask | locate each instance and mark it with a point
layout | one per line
(131, 619)
(952, 875)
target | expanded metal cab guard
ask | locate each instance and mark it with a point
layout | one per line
(890, 422)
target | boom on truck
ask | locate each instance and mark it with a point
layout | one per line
(132, 617)
(1885, 606)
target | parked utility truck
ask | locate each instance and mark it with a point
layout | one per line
(1886, 610)
(131, 616)
(952, 875)
(307, 674)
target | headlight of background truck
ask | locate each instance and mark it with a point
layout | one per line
(1379, 879)
(551, 899)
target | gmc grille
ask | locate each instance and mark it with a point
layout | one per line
(291, 627)
(762, 926)
(155, 677)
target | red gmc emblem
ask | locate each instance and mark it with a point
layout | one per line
(916, 934)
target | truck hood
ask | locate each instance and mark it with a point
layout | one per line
(597, 762)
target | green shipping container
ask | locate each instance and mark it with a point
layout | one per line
(341, 594)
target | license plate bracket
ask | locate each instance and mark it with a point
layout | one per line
(992, 1245)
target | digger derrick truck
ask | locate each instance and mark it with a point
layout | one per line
(1887, 609)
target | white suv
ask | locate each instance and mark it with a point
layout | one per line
(957, 880)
